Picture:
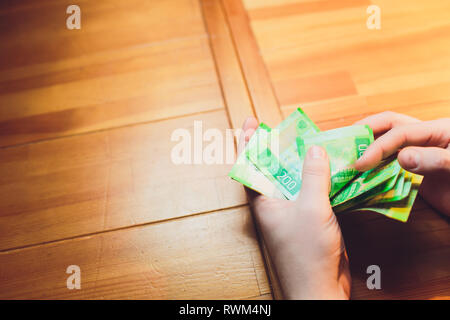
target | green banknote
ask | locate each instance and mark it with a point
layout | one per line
(245, 172)
(276, 155)
(399, 192)
(406, 186)
(367, 181)
(272, 163)
(344, 146)
(380, 190)
(398, 210)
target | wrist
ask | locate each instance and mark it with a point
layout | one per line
(311, 281)
(317, 291)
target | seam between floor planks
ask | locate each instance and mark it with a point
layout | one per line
(258, 86)
(265, 102)
(62, 240)
(81, 68)
(251, 269)
(227, 109)
(237, 96)
(110, 128)
(216, 68)
(229, 70)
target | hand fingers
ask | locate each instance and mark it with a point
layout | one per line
(382, 122)
(425, 160)
(431, 133)
(248, 128)
(316, 177)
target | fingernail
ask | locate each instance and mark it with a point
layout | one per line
(316, 152)
(414, 159)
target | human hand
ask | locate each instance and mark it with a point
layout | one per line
(425, 150)
(303, 236)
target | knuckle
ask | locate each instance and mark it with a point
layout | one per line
(396, 130)
(398, 119)
(399, 134)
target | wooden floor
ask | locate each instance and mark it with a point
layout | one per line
(86, 118)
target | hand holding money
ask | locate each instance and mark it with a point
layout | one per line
(303, 236)
(275, 169)
(425, 150)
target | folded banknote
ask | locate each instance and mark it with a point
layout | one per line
(272, 162)
(344, 146)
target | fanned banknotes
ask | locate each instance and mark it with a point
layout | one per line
(245, 172)
(344, 146)
(275, 153)
(401, 209)
(272, 162)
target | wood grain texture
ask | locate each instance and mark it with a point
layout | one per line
(402, 67)
(266, 296)
(234, 87)
(235, 90)
(414, 258)
(273, 9)
(321, 56)
(99, 189)
(424, 103)
(89, 183)
(129, 63)
(151, 84)
(40, 28)
(255, 72)
(215, 257)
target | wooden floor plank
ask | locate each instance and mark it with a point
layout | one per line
(142, 84)
(314, 88)
(215, 257)
(143, 69)
(234, 87)
(113, 202)
(111, 179)
(266, 296)
(414, 258)
(321, 56)
(35, 34)
(426, 103)
(275, 9)
(255, 72)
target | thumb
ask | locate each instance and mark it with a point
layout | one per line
(425, 160)
(316, 176)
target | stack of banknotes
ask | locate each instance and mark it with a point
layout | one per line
(271, 164)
